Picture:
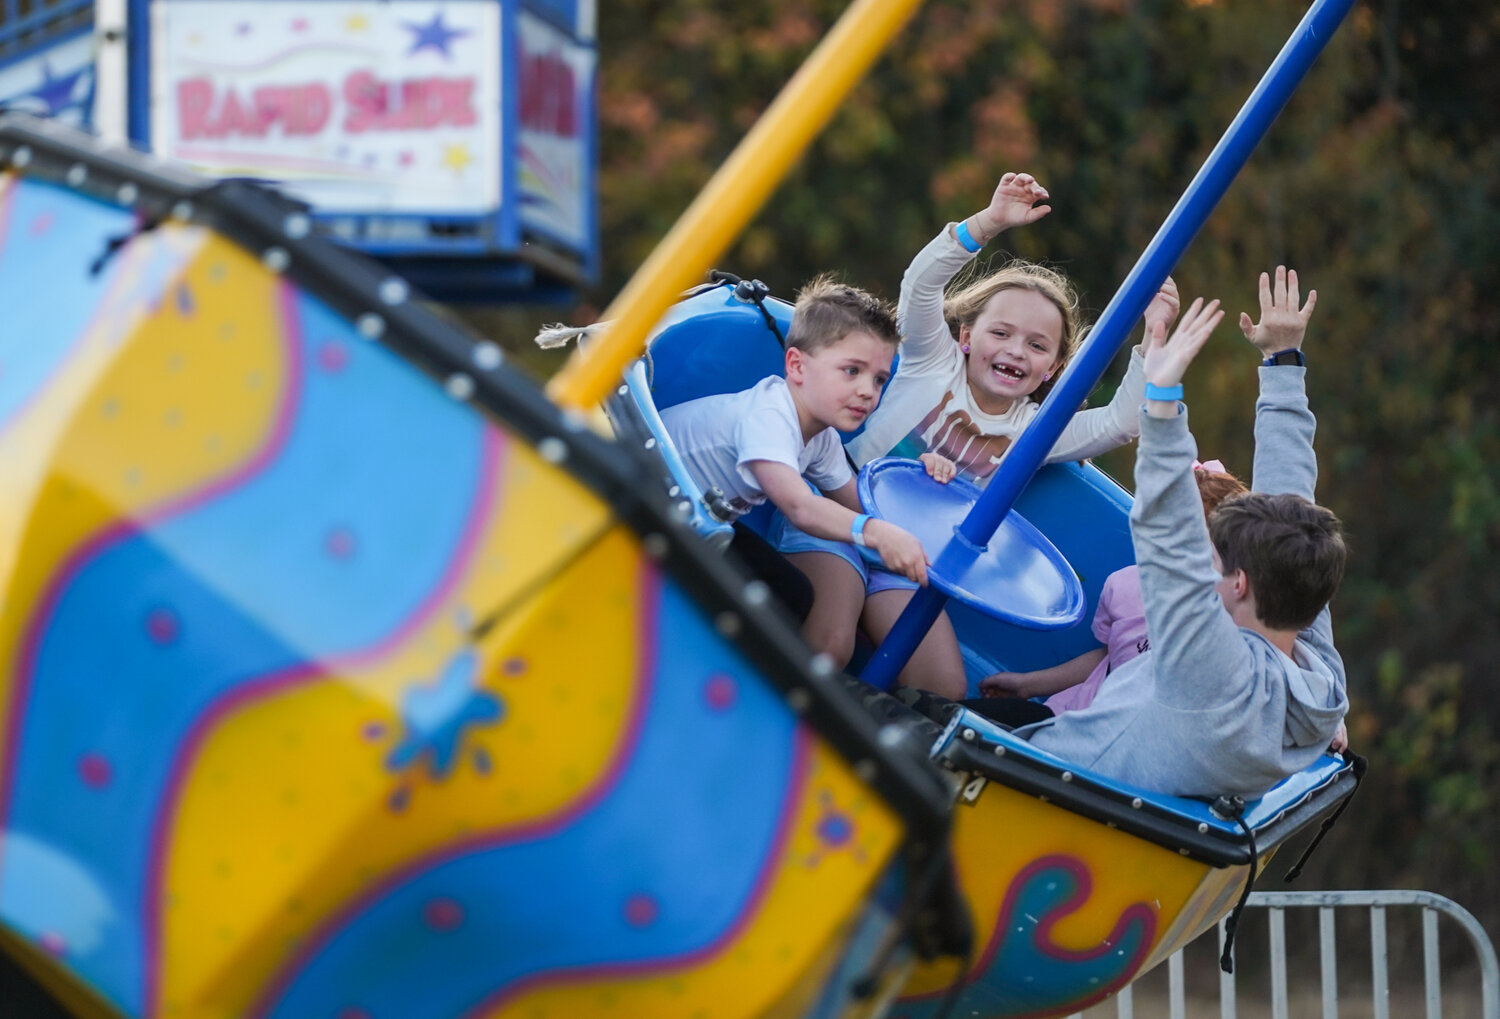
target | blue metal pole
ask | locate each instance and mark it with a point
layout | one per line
(1030, 449)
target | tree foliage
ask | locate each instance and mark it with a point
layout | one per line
(1378, 183)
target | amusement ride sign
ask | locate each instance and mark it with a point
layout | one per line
(367, 107)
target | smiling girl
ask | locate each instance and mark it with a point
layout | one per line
(974, 369)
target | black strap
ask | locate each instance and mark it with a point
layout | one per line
(1234, 807)
(113, 244)
(751, 292)
(1361, 765)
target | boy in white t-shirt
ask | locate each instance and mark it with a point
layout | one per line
(770, 441)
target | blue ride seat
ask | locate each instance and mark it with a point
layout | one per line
(635, 419)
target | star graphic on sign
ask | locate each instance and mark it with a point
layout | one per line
(356, 23)
(434, 35)
(457, 157)
(58, 92)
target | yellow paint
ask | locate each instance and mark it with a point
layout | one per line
(779, 962)
(732, 197)
(286, 815)
(134, 417)
(1007, 831)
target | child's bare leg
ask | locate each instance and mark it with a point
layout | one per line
(938, 665)
(838, 598)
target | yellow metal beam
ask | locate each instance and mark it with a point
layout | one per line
(724, 207)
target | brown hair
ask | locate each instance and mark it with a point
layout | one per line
(1216, 486)
(1292, 550)
(963, 307)
(827, 311)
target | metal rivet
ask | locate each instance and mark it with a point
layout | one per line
(394, 290)
(552, 449)
(674, 491)
(276, 259)
(683, 510)
(798, 700)
(1067, 776)
(756, 592)
(650, 443)
(370, 325)
(296, 226)
(1202, 827)
(969, 735)
(623, 391)
(656, 546)
(182, 210)
(459, 386)
(22, 156)
(1182, 852)
(890, 736)
(821, 664)
(999, 750)
(1136, 803)
(77, 174)
(128, 193)
(727, 623)
(487, 356)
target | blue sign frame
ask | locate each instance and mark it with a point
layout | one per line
(454, 256)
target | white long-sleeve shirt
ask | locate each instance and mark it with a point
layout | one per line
(928, 405)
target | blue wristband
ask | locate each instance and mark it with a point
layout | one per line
(857, 530)
(965, 238)
(1155, 392)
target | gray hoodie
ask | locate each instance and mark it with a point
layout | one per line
(1211, 708)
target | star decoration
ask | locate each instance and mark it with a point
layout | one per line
(58, 91)
(356, 23)
(457, 157)
(435, 36)
(436, 717)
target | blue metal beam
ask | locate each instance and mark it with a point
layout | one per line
(1030, 450)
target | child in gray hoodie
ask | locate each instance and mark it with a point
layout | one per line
(1242, 685)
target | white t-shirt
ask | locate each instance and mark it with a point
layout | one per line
(929, 406)
(719, 436)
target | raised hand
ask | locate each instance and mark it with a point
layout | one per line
(1163, 309)
(1014, 203)
(1167, 358)
(1282, 323)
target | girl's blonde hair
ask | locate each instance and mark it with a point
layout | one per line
(962, 307)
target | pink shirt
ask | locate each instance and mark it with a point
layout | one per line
(1120, 625)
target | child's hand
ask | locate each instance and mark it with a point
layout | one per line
(1168, 358)
(1004, 684)
(1282, 325)
(1014, 203)
(1162, 311)
(939, 467)
(899, 550)
(1341, 738)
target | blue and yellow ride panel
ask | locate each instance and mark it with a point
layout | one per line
(325, 695)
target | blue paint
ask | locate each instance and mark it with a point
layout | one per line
(681, 828)
(157, 626)
(39, 334)
(437, 716)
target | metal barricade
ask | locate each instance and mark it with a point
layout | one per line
(1277, 903)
